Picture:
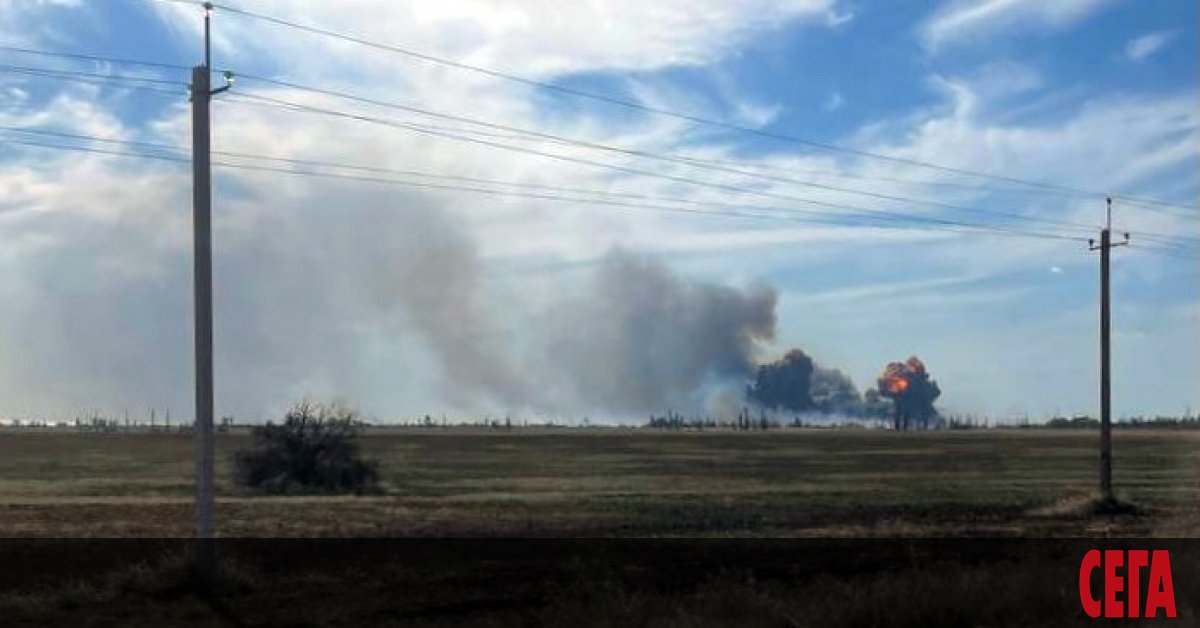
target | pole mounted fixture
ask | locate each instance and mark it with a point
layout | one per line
(228, 76)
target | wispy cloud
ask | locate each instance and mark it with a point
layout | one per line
(961, 20)
(1146, 46)
(836, 19)
(540, 37)
(756, 115)
(834, 102)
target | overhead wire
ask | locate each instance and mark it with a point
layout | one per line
(619, 168)
(827, 219)
(824, 217)
(1141, 202)
(52, 73)
(664, 157)
(654, 110)
(477, 190)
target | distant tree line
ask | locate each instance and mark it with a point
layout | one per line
(1186, 422)
(744, 421)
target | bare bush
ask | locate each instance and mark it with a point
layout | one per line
(315, 450)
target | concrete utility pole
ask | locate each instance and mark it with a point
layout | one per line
(1106, 245)
(202, 94)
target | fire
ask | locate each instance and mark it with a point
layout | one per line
(895, 378)
(908, 384)
(897, 385)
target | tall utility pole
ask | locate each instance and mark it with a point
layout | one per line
(1106, 245)
(202, 94)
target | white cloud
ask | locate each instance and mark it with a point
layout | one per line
(1146, 46)
(539, 38)
(743, 109)
(137, 244)
(755, 116)
(972, 20)
(834, 102)
(22, 22)
(836, 19)
(103, 243)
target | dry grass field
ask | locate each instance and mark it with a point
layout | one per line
(605, 482)
(895, 497)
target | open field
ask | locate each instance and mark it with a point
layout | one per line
(599, 483)
(624, 483)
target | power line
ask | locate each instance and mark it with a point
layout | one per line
(180, 159)
(1142, 204)
(649, 109)
(1169, 252)
(99, 151)
(656, 156)
(1167, 236)
(1181, 249)
(516, 133)
(92, 78)
(825, 217)
(375, 169)
(1167, 240)
(393, 171)
(727, 188)
(568, 141)
(820, 219)
(97, 58)
(72, 73)
(874, 177)
(95, 79)
(1147, 204)
(564, 140)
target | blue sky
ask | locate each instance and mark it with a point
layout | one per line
(1098, 95)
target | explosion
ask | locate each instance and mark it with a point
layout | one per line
(909, 387)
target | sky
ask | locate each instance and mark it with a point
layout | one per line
(405, 301)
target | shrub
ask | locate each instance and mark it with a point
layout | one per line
(315, 450)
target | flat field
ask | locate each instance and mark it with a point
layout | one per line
(608, 482)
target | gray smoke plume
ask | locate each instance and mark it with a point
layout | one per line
(384, 302)
(634, 338)
(643, 339)
(435, 278)
(624, 338)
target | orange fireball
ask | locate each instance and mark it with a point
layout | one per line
(908, 384)
(894, 380)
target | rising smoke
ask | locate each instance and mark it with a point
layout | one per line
(388, 306)
(632, 338)
(435, 279)
(637, 338)
(643, 338)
